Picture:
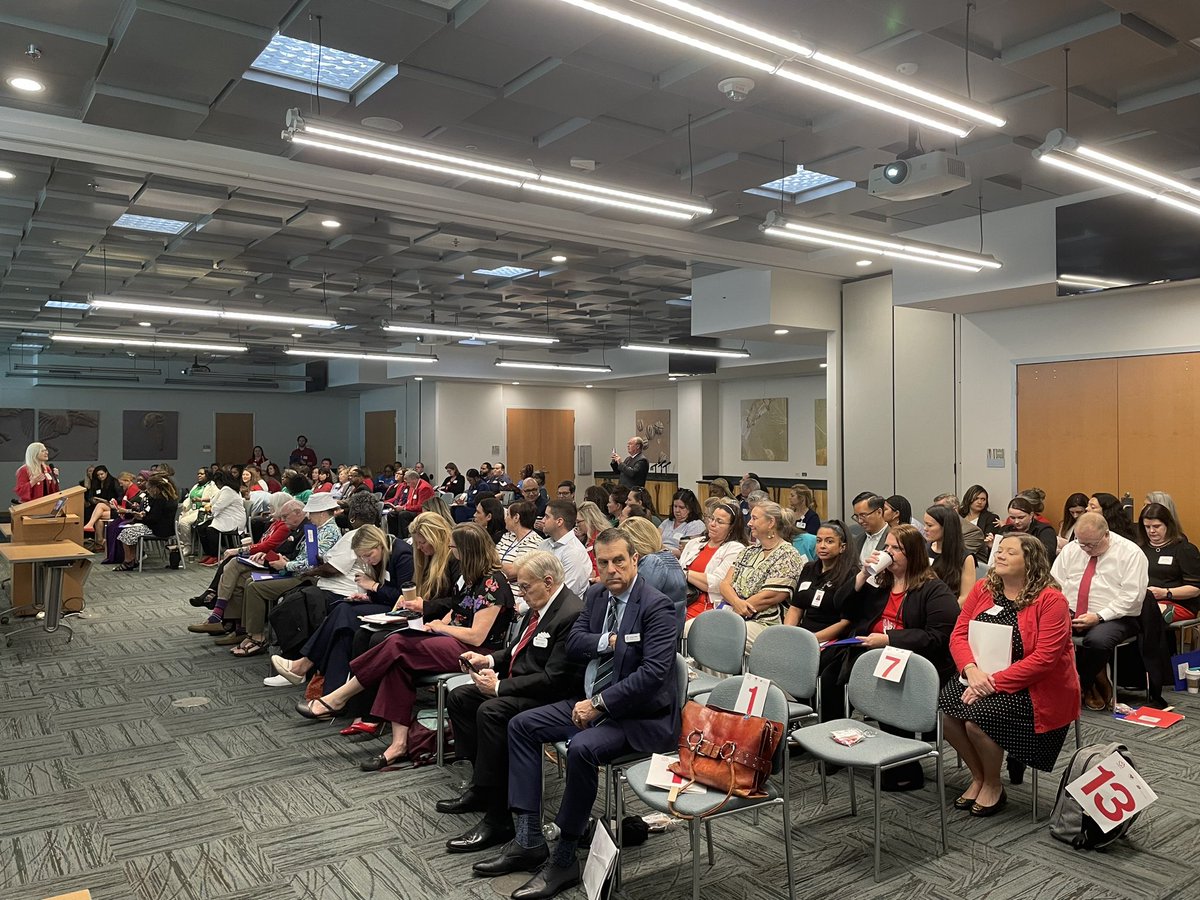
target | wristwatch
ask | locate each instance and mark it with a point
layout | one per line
(1169, 594)
(598, 702)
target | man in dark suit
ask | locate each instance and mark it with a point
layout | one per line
(634, 468)
(534, 671)
(627, 633)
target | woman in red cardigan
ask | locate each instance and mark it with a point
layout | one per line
(36, 478)
(1023, 709)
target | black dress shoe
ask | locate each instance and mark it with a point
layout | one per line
(470, 801)
(1016, 771)
(481, 837)
(205, 599)
(513, 858)
(549, 881)
(982, 812)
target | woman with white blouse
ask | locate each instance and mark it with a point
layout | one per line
(686, 521)
(706, 562)
(228, 516)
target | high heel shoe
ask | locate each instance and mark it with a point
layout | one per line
(982, 812)
(381, 762)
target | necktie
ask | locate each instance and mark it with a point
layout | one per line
(526, 635)
(604, 667)
(1085, 587)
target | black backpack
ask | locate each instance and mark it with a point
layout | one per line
(298, 614)
(1068, 822)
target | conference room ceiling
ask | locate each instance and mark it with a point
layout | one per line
(543, 82)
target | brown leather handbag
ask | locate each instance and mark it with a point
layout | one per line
(726, 751)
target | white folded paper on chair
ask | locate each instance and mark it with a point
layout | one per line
(991, 645)
(660, 776)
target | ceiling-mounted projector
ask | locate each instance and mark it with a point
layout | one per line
(926, 175)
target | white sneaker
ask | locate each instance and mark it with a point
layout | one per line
(277, 681)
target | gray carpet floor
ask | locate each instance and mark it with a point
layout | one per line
(107, 784)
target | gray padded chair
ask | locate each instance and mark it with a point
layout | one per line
(789, 657)
(442, 683)
(724, 696)
(1179, 627)
(910, 705)
(716, 640)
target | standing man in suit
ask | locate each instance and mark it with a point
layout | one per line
(634, 468)
(627, 634)
(868, 513)
(532, 672)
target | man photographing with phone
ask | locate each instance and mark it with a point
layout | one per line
(533, 671)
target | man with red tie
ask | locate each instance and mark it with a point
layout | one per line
(532, 672)
(1104, 577)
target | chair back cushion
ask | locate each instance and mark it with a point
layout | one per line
(789, 656)
(910, 704)
(717, 640)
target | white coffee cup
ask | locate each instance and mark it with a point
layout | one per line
(881, 563)
(1193, 681)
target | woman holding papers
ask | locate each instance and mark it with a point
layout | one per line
(1018, 691)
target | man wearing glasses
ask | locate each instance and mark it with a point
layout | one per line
(1104, 577)
(868, 513)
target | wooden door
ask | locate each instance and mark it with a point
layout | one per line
(544, 437)
(1159, 412)
(379, 439)
(1067, 430)
(233, 437)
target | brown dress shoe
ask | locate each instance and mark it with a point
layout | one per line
(207, 628)
(229, 640)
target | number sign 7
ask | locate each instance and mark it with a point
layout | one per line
(892, 663)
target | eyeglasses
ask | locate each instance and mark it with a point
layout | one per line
(1091, 545)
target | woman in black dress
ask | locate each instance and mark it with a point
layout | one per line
(1174, 563)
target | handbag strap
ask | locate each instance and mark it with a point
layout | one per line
(682, 789)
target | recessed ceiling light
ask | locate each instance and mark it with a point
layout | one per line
(516, 382)
(28, 85)
(331, 223)
(781, 331)
(558, 259)
(673, 378)
(588, 386)
(863, 263)
(824, 365)
(297, 334)
(6, 175)
(418, 378)
(382, 123)
(145, 324)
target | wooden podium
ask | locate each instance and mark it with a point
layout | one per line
(68, 526)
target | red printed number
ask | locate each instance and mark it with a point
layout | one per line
(1119, 807)
(753, 697)
(894, 661)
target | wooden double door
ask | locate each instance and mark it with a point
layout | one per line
(543, 437)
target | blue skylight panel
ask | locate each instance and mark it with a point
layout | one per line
(293, 58)
(151, 223)
(505, 272)
(803, 180)
(65, 304)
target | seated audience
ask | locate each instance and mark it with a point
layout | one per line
(385, 564)
(747, 486)
(323, 479)
(386, 479)
(1166, 500)
(342, 484)
(258, 459)
(720, 489)
(976, 517)
(947, 553)
(416, 491)
(436, 504)
(519, 537)
(617, 495)
(1174, 563)
(273, 477)
(803, 503)
(657, 566)
(476, 621)
(297, 486)
(228, 517)
(1023, 709)
(133, 499)
(559, 522)
(565, 491)
(819, 601)
(1104, 578)
(1074, 507)
(805, 543)
(156, 519)
(868, 513)
(533, 671)
(531, 492)
(597, 494)
(897, 511)
(640, 498)
(686, 522)
(1109, 506)
(489, 515)
(763, 576)
(589, 522)
(454, 483)
(1021, 521)
(705, 563)
(195, 505)
(103, 491)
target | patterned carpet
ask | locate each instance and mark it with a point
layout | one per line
(106, 784)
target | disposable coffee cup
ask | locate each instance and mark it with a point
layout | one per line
(884, 560)
(409, 591)
(1193, 681)
(247, 543)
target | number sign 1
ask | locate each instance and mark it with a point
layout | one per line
(1111, 792)
(892, 663)
(753, 696)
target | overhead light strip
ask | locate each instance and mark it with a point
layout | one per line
(784, 54)
(468, 334)
(311, 133)
(1065, 152)
(377, 357)
(719, 352)
(152, 343)
(563, 367)
(202, 312)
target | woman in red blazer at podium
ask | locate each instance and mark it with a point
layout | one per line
(36, 478)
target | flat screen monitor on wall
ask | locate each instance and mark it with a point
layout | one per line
(1123, 240)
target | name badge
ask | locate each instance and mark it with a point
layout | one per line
(995, 610)
(633, 638)
(541, 640)
(1166, 560)
(818, 596)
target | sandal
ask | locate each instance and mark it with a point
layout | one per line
(249, 647)
(126, 567)
(306, 709)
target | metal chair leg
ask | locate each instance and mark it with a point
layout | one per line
(824, 783)
(853, 799)
(1034, 786)
(941, 798)
(695, 836)
(708, 840)
(441, 724)
(878, 817)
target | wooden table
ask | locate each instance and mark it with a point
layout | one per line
(51, 557)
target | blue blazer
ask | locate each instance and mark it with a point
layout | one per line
(643, 697)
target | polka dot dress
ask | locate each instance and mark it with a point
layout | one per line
(1006, 718)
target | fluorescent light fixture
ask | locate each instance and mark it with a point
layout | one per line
(26, 346)
(65, 304)
(1065, 152)
(563, 367)
(298, 60)
(6, 175)
(205, 312)
(152, 343)
(27, 85)
(686, 350)
(145, 324)
(330, 223)
(150, 223)
(826, 236)
(505, 272)
(310, 132)
(781, 331)
(378, 357)
(470, 334)
(1090, 283)
(760, 50)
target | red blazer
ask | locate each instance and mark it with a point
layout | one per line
(1048, 668)
(418, 495)
(27, 491)
(269, 543)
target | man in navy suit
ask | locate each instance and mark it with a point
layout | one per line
(627, 633)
